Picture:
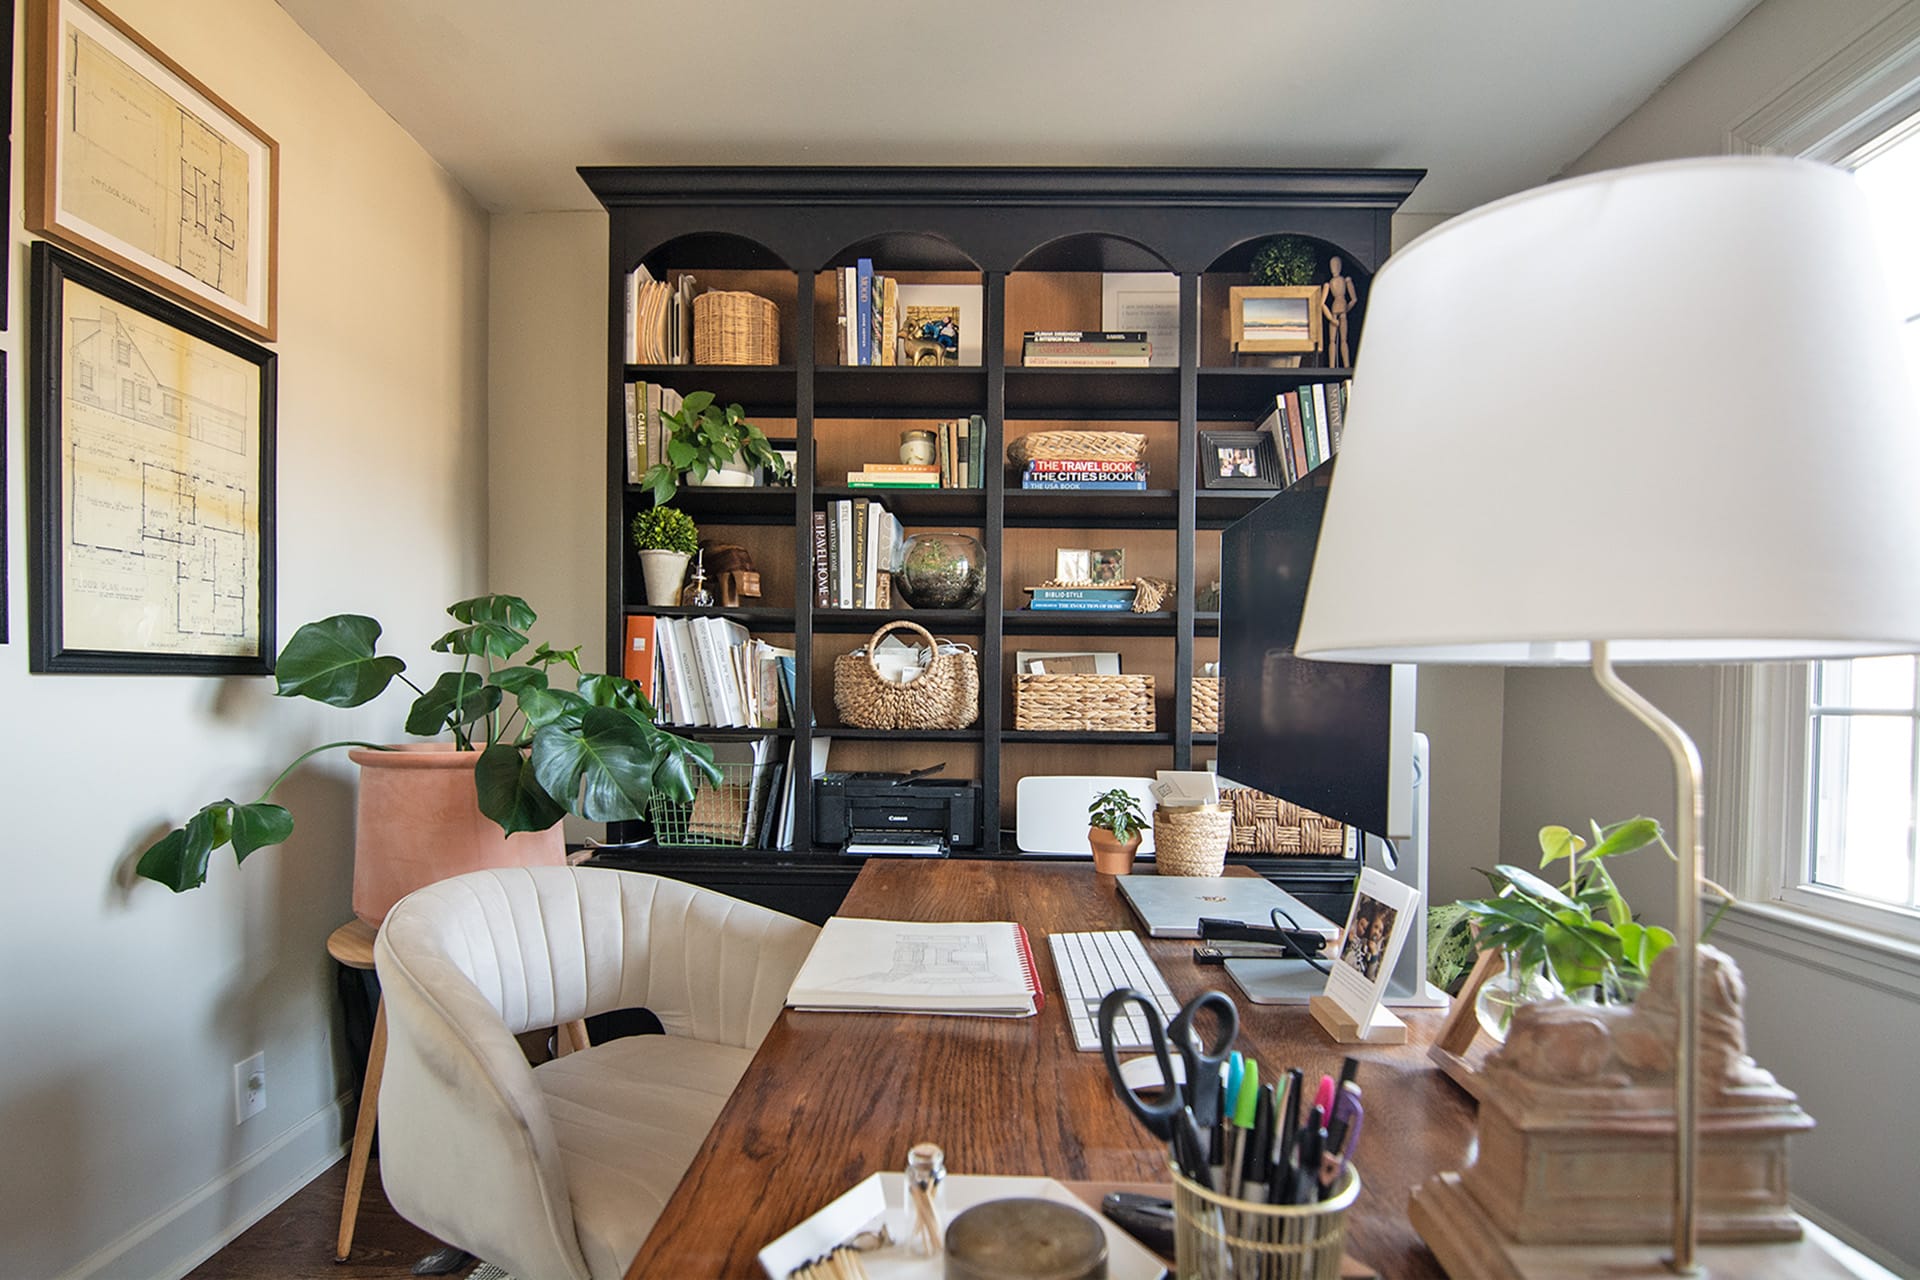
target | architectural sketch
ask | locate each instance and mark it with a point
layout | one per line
(937, 963)
(143, 168)
(162, 500)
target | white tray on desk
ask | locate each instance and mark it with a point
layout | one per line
(882, 1199)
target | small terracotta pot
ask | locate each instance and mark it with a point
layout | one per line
(1112, 857)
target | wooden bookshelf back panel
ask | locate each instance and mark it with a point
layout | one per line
(1038, 301)
(848, 444)
(828, 646)
(1163, 445)
(782, 288)
(1024, 759)
(826, 305)
(1029, 556)
(854, 755)
(1206, 560)
(772, 549)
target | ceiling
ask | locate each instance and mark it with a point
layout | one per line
(1489, 96)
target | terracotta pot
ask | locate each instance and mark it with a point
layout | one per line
(419, 821)
(1112, 857)
(664, 571)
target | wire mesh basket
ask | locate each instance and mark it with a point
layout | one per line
(731, 814)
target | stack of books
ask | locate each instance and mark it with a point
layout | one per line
(1306, 426)
(659, 319)
(856, 542)
(1084, 473)
(1086, 349)
(1088, 599)
(708, 672)
(960, 451)
(647, 404)
(869, 315)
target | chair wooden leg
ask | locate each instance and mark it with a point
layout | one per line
(363, 1133)
(571, 1037)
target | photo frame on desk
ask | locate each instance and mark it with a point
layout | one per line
(1352, 1011)
(114, 123)
(150, 437)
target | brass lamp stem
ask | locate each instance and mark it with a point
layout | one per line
(1686, 932)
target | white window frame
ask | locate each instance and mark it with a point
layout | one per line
(1757, 832)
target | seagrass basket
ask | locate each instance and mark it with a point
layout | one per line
(1206, 704)
(1077, 446)
(1268, 824)
(731, 327)
(1083, 703)
(1191, 840)
(944, 695)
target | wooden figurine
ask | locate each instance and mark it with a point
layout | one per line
(1338, 298)
(731, 568)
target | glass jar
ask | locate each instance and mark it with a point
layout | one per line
(941, 571)
(916, 448)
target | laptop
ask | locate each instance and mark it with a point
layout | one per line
(1171, 906)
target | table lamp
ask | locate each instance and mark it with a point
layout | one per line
(1651, 415)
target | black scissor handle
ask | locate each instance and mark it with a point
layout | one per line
(1202, 1060)
(1159, 1112)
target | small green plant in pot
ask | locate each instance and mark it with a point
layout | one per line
(1115, 827)
(710, 445)
(666, 539)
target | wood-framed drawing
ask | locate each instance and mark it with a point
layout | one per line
(150, 452)
(190, 208)
(1275, 318)
(1238, 460)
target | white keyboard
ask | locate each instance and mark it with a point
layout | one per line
(1090, 965)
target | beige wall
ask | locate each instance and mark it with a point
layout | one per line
(126, 1007)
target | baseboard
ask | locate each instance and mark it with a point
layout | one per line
(177, 1239)
(1851, 1238)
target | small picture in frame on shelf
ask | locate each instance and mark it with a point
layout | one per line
(1275, 319)
(1108, 565)
(789, 452)
(1238, 460)
(946, 315)
(1072, 564)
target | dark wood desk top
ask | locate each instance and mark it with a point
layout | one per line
(831, 1098)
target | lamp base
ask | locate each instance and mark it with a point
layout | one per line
(1470, 1246)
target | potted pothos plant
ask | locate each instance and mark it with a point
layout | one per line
(710, 445)
(1114, 830)
(524, 751)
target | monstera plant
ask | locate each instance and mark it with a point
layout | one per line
(539, 752)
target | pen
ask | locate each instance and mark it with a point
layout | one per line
(1343, 1129)
(1236, 1066)
(1289, 1125)
(1313, 1139)
(1254, 1175)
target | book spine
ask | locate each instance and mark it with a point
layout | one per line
(1322, 427)
(1282, 439)
(1309, 435)
(1085, 362)
(1096, 477)
(843, 559)
(1296, 435)
(863, 295)
(1337, 413)
(850, 313)
(870, 565)
(833, 556)
(890, 322)
(1081, 606)
(1083, 593)
(1083, 484)
(943, 442)
(633, 433)
(1028, 969)
(978, 436)
(637, 658)
(1086, 335)
(861, 550)
(706, 660)
(1086, 349)
(963, 450)
(1117, 466)
(862, 483)
(903, 468)
(820, 561)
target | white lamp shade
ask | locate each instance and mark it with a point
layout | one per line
(1662, 407)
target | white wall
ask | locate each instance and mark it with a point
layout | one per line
(1843, 1039)
(125, 1007)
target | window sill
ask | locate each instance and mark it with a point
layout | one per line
(1846, 951)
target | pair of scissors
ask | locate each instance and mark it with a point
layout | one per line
(1177, 1115)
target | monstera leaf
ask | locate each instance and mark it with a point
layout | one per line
(333, 661)
(496, 627)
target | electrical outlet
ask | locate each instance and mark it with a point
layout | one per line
(249, 1088)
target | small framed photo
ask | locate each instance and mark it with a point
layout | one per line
(1275, 318)
(1382, 912)
(944, 317)
(1109, 565)
(1238, 460)
(1072, 564)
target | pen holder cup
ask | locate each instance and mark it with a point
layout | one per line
(1216, 1237)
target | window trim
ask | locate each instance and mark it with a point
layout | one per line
(1853, 97)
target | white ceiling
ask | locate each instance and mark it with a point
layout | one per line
(1490, 96)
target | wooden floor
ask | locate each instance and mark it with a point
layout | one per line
(295, 1241)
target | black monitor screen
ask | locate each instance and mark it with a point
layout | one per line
(1315, 733)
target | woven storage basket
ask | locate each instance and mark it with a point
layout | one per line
(1268, 824)
(945, 695)
(730, 327)
(1085, 703)
(1077, 445)
(1206, 704)
(1191, 840)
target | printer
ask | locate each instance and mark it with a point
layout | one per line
(895, 813)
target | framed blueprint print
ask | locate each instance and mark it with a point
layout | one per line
(135, 163)
(150, 438)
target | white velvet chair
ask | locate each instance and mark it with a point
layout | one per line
(561, 1170)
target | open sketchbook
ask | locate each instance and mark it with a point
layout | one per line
(901, 966)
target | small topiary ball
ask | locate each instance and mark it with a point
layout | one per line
(665, 529)
(1284, 260)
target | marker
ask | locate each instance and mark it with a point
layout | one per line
(1289, 1125)
(1245, 1108)
(1313, 1140)
(1256, 1174)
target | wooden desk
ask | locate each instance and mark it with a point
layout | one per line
(831, 1098)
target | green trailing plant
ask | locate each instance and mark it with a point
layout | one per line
(1580, 932)
(702, 438)
(1119, 812)
(539, 752)
(665, 529)
(1285, 260)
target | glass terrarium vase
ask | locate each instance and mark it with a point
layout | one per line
(941, 571)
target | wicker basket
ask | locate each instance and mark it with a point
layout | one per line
(945, 695)
(1268, 824)
(1206, 704)
(1083, 703)
(1191, 840)
(1076, 446)
(730, 327)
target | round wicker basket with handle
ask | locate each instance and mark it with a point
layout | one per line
(944, 694)
(1191, 840)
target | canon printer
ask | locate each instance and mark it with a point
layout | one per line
(895, 813)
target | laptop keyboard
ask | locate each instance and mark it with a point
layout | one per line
(1089, 965)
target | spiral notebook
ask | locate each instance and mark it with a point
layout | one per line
(902, 966)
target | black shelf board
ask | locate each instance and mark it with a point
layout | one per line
(1091, 508)
(1206, 623)
(907, 391)
(1248, 392)
(713, 504)
(1206, 739)
(913, 505)
(866, 621)
(1088, 622)
(1218, 508)
(1080, 736)
(702, 733)
(1120, 393)
(754, 617)
(908, 735)
(762, 388)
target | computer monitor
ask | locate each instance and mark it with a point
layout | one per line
(1333, 737)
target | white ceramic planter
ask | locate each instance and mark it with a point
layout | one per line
(664, 572)
(735, 475)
